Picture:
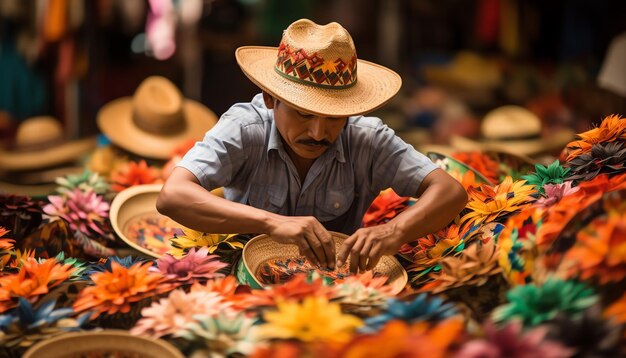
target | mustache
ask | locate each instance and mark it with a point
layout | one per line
(324, 142)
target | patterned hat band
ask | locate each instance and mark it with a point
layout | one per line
(310, 69)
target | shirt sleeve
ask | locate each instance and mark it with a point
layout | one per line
(221, 154)
(392, 162)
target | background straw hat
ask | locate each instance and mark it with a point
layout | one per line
(40, 143)
(315, 69)
(513, 129)
(155, 120)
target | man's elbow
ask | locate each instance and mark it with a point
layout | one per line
(459, 196)
(164, 202)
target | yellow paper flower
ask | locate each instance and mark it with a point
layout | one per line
(192, 238)
(315, 319)
(488, 204)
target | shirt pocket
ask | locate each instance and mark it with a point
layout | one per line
(331, 203)
(269, 197)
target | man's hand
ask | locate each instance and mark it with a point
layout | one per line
(367, 245)
(313, 240)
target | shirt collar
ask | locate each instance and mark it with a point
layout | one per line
(276, 143)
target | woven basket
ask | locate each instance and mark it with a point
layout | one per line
(107, 343)
(262, 248)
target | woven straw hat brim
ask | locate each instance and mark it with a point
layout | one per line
(116, 122)
(375, 85)
(556, 141)
(262, 248)
(78, 344)
(60, 154)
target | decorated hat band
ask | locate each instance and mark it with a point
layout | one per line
(299, 66)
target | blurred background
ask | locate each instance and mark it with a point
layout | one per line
(458, 58)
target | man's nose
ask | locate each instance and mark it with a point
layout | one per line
(317, 128)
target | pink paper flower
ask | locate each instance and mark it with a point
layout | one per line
(196, 266)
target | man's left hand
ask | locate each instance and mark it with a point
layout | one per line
(367, 245)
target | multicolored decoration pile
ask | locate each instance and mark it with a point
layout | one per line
(534, 266)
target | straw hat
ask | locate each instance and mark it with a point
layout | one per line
(315, 70)
(262, 248)
(155, 120)
(40, 143)
(102, 343)
(513, 129)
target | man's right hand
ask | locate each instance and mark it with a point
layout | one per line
(313, 240)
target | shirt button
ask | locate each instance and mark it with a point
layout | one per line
(337, 205)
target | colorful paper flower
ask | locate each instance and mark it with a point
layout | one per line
(606, 158)
(421, 308)
(399, 339)
(87, 181)
(195, 266)
(171, 315)
(487, 204)
(26, 325)
(86, 212)
(117, 290)
(600, 250)
(474, 267)
(20, 214)
(384, 208)
(589, 334)
(480, 162)
(33, 280)
(315, 319)
(192, 238)
(298, 288)
(364, 290)
(534, 304)
(510, 341)
(223, 334)
(134, 173)
(553, 193)
(552, 174)
(611, 129)
(6, 247)
(517, 246)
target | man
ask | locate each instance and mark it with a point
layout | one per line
(300, 160)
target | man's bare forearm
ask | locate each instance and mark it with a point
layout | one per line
(188, 203)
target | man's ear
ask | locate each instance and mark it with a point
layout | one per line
(269, 100)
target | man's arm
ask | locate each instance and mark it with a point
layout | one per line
(188, 203)
(441, 198)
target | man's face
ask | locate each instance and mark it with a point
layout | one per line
(307, 135)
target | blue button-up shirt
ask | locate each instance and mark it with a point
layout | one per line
(244, 154)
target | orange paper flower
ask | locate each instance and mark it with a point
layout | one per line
(617, 310)
(117, 290)
(480, 162)
(611, 129)
(33, 279)
(600, 250)
(133, 173)
(488, 204)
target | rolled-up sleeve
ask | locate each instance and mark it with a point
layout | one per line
(216, 158)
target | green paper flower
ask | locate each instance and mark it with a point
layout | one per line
(552, 174)
(536, 304)
(85, 182)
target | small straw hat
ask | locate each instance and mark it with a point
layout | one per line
(513, 129)
(40, 143)
(315, 69)
(261, 249)
(106, 343)
(155, 120)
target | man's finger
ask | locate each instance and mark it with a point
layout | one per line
(328, 245)
(306, 251)
(364, 255)
(355, 255)
(375, 255)
(318, 249)
(344, 250)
